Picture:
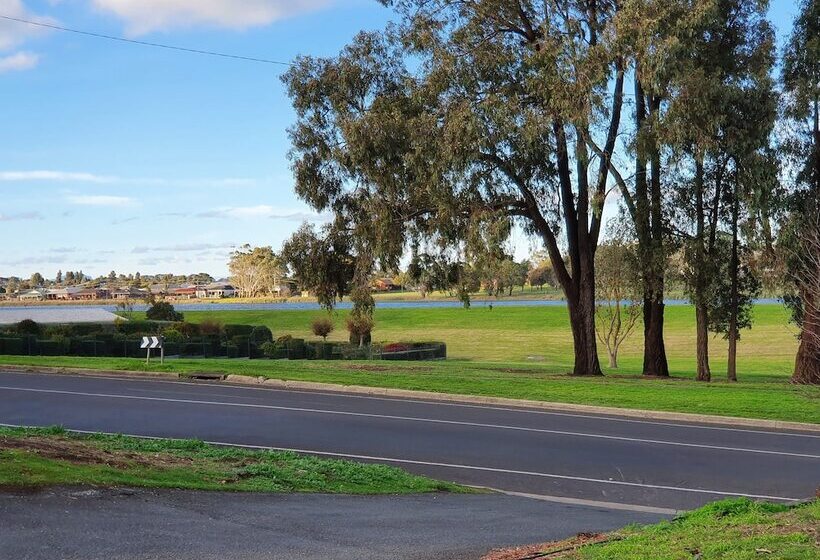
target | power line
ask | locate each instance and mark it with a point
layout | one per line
(144, 43)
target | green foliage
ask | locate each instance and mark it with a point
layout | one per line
(261, 334)
(27, 326)
(173, 335)
(163, 311)
(322, 262)
(269, 349)
(255, 271)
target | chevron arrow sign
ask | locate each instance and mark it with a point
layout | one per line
(151, 342)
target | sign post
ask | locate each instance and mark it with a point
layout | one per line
(149, 342)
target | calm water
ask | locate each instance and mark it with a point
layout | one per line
(306, 306)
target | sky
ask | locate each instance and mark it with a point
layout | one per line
(115, 156)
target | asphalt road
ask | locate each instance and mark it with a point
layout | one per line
(602, 459)
(87, 524)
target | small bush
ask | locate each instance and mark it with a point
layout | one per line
(163, 311)
(359, 329)
(283, 340)
(188, 330)
(268, 349)
(27, 326)
(261, 334)
(322, 326)
(173, 335)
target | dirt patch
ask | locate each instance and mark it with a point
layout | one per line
(555, 549)
(84, 453)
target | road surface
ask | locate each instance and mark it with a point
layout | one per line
(577, 458)
(82, 524)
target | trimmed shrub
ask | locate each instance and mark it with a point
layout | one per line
(27, 326)
(322, 326)
(268, 349)
(163, 311)
(188, 330)
(238, 330)
(283, 340)
(139, 327)
(261, 334)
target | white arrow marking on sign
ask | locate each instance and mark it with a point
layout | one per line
(151, 342)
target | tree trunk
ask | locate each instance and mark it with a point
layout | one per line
(702, 320)
(734, 265)
(582, 320)
(613, 360)
(654, 352)
(807, 364)
(704, 372)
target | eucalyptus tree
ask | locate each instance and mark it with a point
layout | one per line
(801, 83)
(470, 115)
(718, 122)
(690, 61)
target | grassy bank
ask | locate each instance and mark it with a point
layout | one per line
(730, 530)
(43, 457)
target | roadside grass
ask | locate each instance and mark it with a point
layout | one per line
(737, 529)
(755, 397)
(51, 456)
(488, 357)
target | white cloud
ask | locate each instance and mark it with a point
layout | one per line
(260, 211)
(100, 200)
(13, 33)
(145, 16)
(56, 176)
(22, 60)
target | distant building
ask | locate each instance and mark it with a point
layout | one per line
(385, 285)
(37, 294)
(128, 293)
(183, 292)
(216, 290)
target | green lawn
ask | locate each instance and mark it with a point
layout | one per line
(42, 457)
(488, 356)
(728, 530)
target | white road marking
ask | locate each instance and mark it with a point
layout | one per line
(414, 419)
(421, 400)
(463, 467)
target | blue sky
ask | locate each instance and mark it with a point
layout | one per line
(115, 156)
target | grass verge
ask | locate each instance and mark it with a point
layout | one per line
(762, 397)
(31, 458)
(737, 529)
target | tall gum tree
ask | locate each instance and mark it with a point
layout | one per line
(470, 114)
(801, 84)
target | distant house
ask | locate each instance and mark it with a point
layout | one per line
(37, 294)
(216, 290)
(285, 288)
(385, 285)
(91, 294)
(183, 292)
(128, 293)
(63, 294)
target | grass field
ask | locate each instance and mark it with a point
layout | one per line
(43, 457)
(731, 530)
(489, 353)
